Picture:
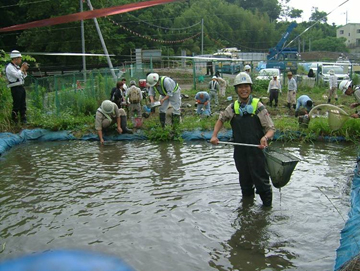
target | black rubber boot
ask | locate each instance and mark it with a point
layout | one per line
(294, 106)
(14, 117)
(23, 118)
(175, 119)
(162, 119)
(329, 100)
(266, 198)
(124, 125)
(289, 105)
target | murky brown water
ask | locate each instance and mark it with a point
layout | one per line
(172, 206)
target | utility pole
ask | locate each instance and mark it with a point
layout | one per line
(103, 43)
(83, 42)
(346, 17)
(202, 36)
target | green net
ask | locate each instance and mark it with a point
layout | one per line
(280, 166)
(336, 119)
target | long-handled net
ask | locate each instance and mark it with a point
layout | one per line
(336, 116)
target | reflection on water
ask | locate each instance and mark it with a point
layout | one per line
(172, 206)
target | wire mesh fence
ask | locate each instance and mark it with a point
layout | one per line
(82, 92)
(78, 92)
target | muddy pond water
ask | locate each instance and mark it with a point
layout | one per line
(172, 206)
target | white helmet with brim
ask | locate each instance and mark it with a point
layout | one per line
(242, 78)
(152, 79)
(344, 85)
(107, 106)
(15, 54)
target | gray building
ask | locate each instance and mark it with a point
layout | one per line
(352, 34)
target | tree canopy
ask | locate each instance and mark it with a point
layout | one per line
(249, 25)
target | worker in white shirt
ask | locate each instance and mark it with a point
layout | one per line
(16, 74)
(274, 88)
(332, 86)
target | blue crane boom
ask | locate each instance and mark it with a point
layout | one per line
(273, 52)
(281, 57)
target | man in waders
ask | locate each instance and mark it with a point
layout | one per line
(251, 124)
(106, 115)
(170, 93)
(16, 77)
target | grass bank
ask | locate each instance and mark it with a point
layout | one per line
(78, 115)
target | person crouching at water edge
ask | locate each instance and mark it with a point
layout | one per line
(251, 124)
(203, 103)
(170, 93)
(106, 115)
(348, 88)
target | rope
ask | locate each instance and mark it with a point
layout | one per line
(149, 38)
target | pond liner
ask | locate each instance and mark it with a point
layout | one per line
(8, 140)
(347, 255)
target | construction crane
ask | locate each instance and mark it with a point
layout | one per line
(281, 57)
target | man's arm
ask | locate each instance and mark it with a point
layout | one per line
(163, 99)
(218, 125)
(269, 87)
(100, 134)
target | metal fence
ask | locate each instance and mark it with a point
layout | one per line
(78, 92)
(82, 92)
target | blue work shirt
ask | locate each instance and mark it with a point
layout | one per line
(205, 98)
(301, 102)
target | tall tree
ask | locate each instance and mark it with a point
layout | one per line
(295, 13)
(331, 44)
(271, 7)
(317, 15)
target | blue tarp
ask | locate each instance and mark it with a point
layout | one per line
(350, 235)
(65, 260)
(8, 140)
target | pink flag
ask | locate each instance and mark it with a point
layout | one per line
(96, 13)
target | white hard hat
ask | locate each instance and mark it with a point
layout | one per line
(344, 85)
(15, 54)
(247, 67)
(152, 79)
(107, 106)
(331, 72)
(214, 77)
(132, 82)
(242, 78)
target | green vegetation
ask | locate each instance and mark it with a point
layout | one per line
(77, 115)
(69, 108)
(254, 26)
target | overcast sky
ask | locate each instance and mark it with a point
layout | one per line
(338, 16)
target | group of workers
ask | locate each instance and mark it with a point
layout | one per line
(249, 119)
